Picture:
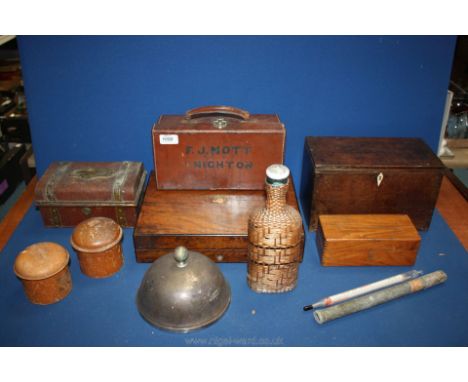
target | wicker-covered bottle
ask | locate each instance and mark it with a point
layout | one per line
(276, 238)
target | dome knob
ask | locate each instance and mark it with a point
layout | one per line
(181, 255)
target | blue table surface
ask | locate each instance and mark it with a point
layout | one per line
(103, 312)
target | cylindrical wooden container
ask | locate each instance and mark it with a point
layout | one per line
(43, 270)
(97, 242)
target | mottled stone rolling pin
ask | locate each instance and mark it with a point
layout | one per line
(379, 297)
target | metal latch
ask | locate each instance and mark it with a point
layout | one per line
(220, 123)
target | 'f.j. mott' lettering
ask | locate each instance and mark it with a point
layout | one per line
(218, 150)
(222, 164)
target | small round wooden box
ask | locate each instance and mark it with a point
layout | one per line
(97, 244)
(43, 270)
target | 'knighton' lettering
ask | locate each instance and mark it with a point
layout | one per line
(198, 164)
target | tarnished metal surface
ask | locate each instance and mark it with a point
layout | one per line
(121, 217)
(50, 186)
(81, 174)
(70, 192)
(120, 178)
(183, 291)
(55, 217)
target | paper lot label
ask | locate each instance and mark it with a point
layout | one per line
(169, 139)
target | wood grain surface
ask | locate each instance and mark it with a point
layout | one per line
(212, 222)
(356, 152)
(356, 240)
(370, 176)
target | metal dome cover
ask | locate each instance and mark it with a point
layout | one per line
(183, 291)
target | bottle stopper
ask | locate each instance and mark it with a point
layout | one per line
(277, 174)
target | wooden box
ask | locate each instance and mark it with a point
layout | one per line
(70, 192)
(216, 147)
(346, 240)
(370, 176)
(214, 223)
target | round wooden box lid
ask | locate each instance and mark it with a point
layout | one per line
(96, 235)
(40, 261)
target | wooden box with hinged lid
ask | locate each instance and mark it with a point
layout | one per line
(70, 192)
(213, 222)
(361, 240)
(347, 175)
(216, 147)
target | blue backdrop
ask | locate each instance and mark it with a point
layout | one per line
(96, 98)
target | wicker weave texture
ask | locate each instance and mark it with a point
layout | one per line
(276, 244)
(277, 225)
(276, 278)
(280, 229)
(264, 255)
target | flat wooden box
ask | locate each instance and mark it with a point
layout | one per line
(211, 222)
(356, 240)
(345, 175)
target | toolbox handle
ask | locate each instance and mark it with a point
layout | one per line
(223, 110)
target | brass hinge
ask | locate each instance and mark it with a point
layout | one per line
(55, 217)
(121, 217)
